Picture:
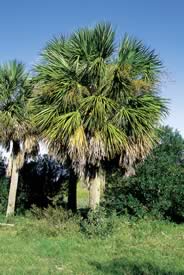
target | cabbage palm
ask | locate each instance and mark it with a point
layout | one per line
(15, 130)
(96, 101)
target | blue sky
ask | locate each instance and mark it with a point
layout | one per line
(25, 26)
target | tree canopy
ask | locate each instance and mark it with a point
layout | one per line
(96, 100)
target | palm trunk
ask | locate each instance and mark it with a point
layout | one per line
(96, 185)
(13, 188)
(72, 191)
(17, 161)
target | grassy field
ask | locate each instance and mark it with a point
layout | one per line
(142, 247)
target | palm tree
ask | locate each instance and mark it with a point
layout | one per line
(97, 102)
(16, 134)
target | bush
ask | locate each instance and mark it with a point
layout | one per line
(119, 196)
(50, 222)
(98, 224)
(53, 222)
(157, 188)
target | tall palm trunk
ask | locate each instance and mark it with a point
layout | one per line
(14, 179)
(72, 191)
(13, 188)
(96, 185)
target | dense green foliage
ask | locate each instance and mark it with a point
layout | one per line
(158, 186)
(98, 224)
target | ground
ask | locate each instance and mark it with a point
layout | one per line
(139, 247)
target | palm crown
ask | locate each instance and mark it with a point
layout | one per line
(95, 101)
(15, 91)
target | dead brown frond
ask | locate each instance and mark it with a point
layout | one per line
(96, 149)
(77, 149)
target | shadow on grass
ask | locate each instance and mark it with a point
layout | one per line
(123, 267)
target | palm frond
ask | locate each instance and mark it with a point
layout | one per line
(103, 40)
(143, 62)
(77, 149)
(97, 149)
(96, 110)
(63, 127)
(140, 115)
(15, 91)
(115, 140)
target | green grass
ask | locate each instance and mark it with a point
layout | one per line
(142, 247)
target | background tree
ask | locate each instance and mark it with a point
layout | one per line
(158, 186)
(95, 101)
(15, 129)
(42, 182)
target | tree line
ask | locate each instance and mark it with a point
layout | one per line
(91, 100)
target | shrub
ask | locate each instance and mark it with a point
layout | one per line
(98, 224)
(50, 222)
(53, 222)
(157, 188)
(119, 196)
